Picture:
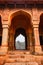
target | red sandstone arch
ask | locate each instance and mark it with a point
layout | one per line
(21, 19)
(13, 14)
(22, 13)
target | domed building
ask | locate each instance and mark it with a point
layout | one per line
(21, 32)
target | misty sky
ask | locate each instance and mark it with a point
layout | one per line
(20, 38)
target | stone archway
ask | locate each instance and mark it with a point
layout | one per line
(41, 31)
(22, 20)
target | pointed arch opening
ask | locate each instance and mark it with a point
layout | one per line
(20, 25)
(20, 39)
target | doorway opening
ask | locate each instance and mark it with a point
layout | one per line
(20, 39)
(21, 26)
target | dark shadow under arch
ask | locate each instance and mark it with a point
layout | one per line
(0, 32)
(41, 31)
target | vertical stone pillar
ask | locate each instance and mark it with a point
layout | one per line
(30, 36)
(5, 38)
(36, 38)
(14, 40)
(28, 42)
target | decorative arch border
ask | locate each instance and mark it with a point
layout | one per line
(15, 12)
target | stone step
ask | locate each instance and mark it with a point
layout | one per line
(20, 58)
(22, 63)
(9, 60)
(17, 54)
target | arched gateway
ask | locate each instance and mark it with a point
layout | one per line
(21, 32)
(21, 24)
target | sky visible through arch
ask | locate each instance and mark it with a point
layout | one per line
(20, 42)
(20, 38)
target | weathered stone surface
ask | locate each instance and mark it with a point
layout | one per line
(22, 63)
(21, 57)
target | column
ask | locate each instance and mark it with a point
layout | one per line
(5, 38)
(30, 37)
(28, 42)
(36, 38)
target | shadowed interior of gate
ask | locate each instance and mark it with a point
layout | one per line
(41, 30)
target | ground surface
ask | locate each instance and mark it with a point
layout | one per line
(21, 58)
